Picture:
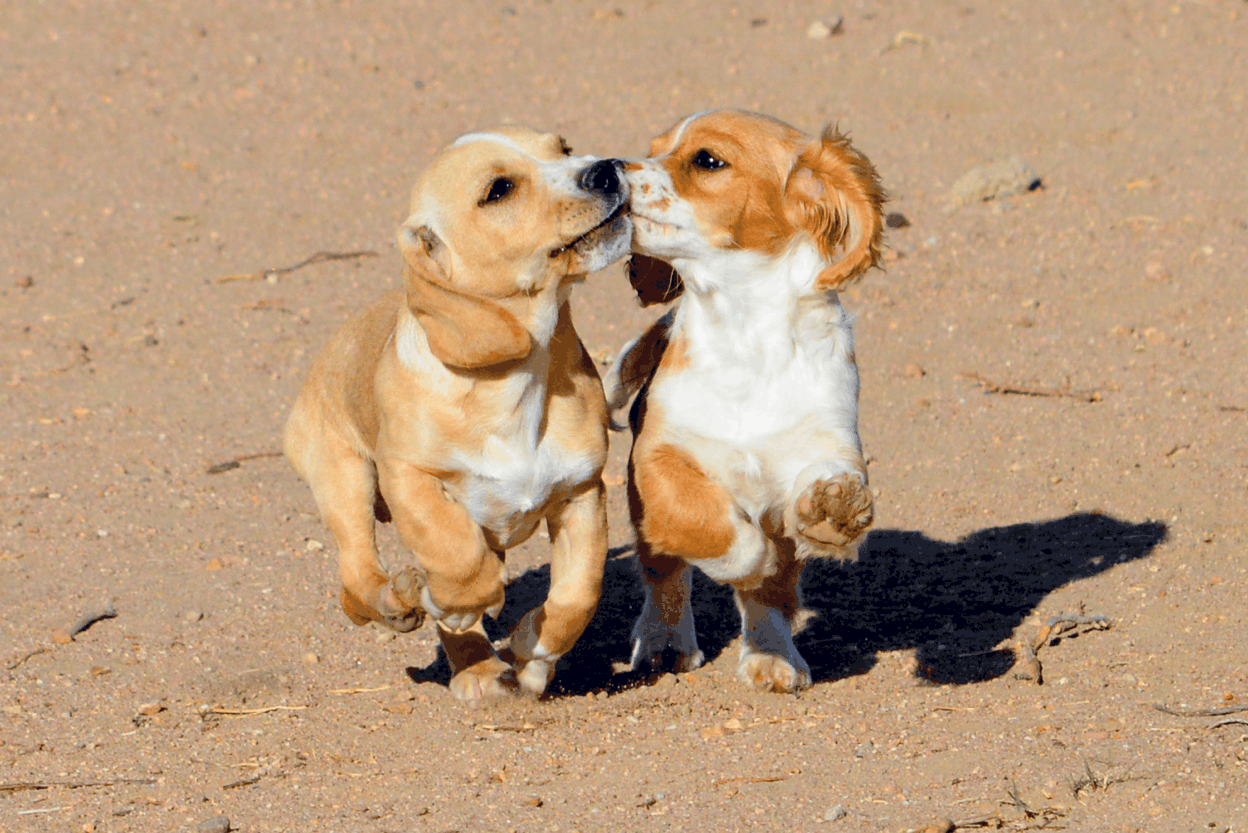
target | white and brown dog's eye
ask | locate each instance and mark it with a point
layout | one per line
(499, 189)
(707, 161)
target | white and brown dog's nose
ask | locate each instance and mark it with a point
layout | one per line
(602, 178)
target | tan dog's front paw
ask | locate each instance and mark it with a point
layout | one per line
(768, 672)
(835, 511)
(488, 678)
(398, 603)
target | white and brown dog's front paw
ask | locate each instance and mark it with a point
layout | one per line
(834, 511)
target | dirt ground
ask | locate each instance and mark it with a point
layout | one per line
(1054, 402)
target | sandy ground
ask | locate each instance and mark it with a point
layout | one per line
(151, 150)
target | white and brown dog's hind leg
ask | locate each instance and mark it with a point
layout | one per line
(344, 485)
(578, 538)
(666, 620)
(681, 516)
(465, 578)
(769, 659)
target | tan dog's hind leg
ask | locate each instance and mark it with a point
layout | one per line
(465, 577)
(344, 486)
(578, 536)
(769, 659)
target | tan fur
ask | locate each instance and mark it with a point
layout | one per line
(425, 406)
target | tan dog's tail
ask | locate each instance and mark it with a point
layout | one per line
(635, 365)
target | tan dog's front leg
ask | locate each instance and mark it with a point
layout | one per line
(465, 577)
(578, 536)
(344, 485)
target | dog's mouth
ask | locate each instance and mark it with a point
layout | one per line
(620, 211)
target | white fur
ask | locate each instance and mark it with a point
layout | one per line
(766, 402)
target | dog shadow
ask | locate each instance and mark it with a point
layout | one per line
(950, 602)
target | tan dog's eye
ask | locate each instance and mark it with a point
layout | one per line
(564, 147)
(499, 189)
(707, 161)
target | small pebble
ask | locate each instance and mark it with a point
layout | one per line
(666, 681)
(220, 824)
(835, 813)
(822, 30)
(1155, 270)
(193, 615)
(896, 220)
(149, 709)
(314, 545)
(310, 658)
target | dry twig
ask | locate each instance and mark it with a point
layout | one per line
(766, 779)
(22, 659)
(989, 386)
(70, 785)
(1029, 662)
(1229, 721)
(64, 636)
(244, 782)
(319, 257)
(229, 465)
(1181, 712)
(358, 690)
(250, 712)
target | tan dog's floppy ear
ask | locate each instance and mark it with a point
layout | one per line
(463, 330)
(835, 194)
(654, 281)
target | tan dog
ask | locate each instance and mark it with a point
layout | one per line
(465, 407)
(746, 459)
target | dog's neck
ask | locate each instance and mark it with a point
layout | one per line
(752, 307)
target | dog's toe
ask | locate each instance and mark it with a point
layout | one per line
(489, 678)
(835, 511)
(402, 598)
(768, 672)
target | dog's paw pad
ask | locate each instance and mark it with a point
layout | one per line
(835, 511)
(489, 678)
(768, 672)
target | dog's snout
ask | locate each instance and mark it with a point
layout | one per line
(602, 177)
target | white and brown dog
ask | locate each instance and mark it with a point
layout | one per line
(465, 407)
(746, 459)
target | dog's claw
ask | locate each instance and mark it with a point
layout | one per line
(835, 511)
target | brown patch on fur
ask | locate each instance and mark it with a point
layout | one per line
(677, 509)
(836, 197)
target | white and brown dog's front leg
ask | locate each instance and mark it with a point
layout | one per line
(830, 506)
(465, 577)
(578, 537)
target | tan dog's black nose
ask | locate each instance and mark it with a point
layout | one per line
(602, 177)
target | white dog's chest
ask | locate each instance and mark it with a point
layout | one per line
(507, 485)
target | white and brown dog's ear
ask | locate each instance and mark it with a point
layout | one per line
(463, 330)
(835, 195)
(654, 281)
